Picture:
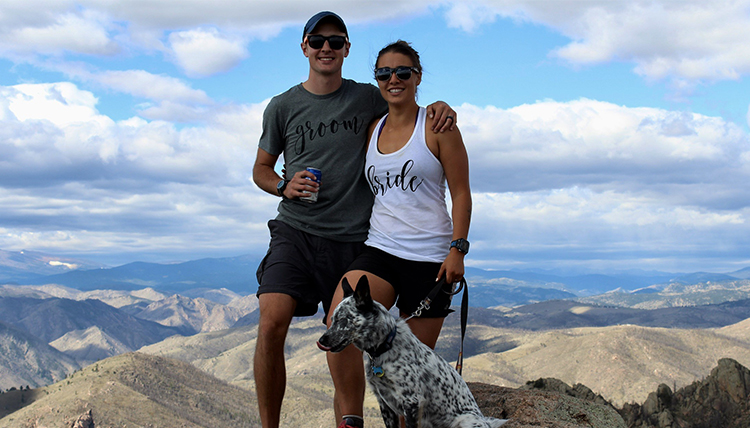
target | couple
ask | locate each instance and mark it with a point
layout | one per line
(380, 212)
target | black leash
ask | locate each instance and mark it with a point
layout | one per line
(464, 319)
(425, 305)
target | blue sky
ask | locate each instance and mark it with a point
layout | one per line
(602, 135)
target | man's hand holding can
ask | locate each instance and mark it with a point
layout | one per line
(304, 185)
(314, 175)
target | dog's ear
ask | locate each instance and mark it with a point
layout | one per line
(362, 296)
(346, 287)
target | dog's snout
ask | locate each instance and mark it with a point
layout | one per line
(324, 343)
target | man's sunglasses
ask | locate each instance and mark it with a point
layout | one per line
(402, 72)
(317, 41)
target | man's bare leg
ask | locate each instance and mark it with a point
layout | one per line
(269, 367)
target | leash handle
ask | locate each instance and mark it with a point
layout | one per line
(454, 291)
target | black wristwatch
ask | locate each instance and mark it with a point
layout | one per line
(461, 245)
(281, 186)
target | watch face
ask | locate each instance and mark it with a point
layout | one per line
(461, 244)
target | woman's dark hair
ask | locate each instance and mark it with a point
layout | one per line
(403, 48)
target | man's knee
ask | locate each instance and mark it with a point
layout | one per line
(276, 313)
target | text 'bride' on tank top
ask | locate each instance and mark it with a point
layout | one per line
(409, 218)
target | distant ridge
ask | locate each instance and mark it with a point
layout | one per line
(233, 273)
(50, 319)
(742, 273)
(191, 315)
(698, 277)
(23, 266)
(237, 275)
(560, 314)
(28, 361)
(676, 294)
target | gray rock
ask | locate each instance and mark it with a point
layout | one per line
(538, 408)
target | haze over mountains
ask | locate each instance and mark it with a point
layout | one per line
(237, 274)
(621, 334)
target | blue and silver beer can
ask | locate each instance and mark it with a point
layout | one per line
(313, 195)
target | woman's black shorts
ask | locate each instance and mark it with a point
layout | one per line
(411, 280)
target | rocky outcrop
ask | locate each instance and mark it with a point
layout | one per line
(578, 390)
(540, 408)
(720, 400)
(86, 420)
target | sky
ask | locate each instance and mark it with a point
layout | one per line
(602, 135)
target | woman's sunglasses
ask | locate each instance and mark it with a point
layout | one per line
(317, 41)
(403, 72)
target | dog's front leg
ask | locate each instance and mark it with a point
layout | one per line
(411, 415)
(390, 417)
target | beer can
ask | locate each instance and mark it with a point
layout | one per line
(313, 195)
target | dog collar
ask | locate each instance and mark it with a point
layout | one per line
(385, 346)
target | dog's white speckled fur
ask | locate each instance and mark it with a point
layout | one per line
(416, 383)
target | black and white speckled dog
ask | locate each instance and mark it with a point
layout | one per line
(408, 378)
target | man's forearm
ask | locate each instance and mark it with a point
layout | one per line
(266, 178)
(264, 174)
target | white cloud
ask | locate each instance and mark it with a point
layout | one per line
(151, 86)
(83, 181)
(169, 98)
(582, 179)
(57, 129)
(203, 52)
(562, 180)
(592, 180)
(85, 32)
(468, 16)
(685, 41)
(101, 27)
(60, 103)
(551, 145)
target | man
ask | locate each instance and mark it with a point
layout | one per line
(320, 123)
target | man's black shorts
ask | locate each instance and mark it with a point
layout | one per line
(304, 266)
(411, 280)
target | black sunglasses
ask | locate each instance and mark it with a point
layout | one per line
(403, 72)
(317, 41)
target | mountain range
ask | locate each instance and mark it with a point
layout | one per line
(91, 325)
(622, 335)
(136, 389)
(237, 274)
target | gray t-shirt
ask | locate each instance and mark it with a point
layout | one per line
(328, 132)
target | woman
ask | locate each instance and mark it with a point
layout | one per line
(412, 242)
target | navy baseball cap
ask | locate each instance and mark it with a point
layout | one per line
(324, 16)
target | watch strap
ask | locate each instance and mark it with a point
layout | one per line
(281, 186)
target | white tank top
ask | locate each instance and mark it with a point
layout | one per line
(409, 217)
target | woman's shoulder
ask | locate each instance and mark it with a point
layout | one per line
(353, 85)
